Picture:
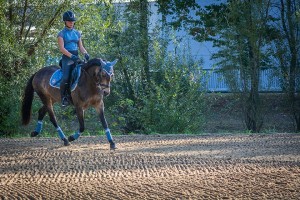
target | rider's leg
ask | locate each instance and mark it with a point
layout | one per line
(67, 66)
(65, 83)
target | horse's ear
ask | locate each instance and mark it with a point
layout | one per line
(114, 62)
(102, 62)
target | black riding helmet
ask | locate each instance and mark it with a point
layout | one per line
(69, 16)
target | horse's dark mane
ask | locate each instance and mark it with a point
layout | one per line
(92, 62)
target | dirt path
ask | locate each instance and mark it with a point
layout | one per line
(152, 167)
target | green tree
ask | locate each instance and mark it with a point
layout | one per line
(141, 9)
(151, 94)
(288, 51)
(240, 30)
(28, 40)
(24, 25)
(247, 32)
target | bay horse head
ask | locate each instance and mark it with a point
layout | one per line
(103, 73)
(106, 75)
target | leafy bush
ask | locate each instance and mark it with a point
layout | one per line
(9, 108)
(174, 104)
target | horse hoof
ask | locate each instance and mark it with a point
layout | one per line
(66, 142)
(71, 138)
(33, 134)
(113, 146)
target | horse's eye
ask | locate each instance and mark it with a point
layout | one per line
(104, 75)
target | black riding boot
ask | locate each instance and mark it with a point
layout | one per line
(65, 94)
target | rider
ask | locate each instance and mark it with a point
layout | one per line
(69, 40)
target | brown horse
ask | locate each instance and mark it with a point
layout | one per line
(93, 85)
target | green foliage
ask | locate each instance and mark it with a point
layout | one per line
(11, 59)
(172, 103)
(175, 105)
(9, 108)
(21, 31)
(242, 33)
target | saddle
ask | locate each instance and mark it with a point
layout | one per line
(57, 76)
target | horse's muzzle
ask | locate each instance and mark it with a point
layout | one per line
(105, 91)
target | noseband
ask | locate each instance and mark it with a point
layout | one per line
(104, 86)
(105, 67)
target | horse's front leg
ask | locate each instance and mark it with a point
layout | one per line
(100, 110)
(80, 116)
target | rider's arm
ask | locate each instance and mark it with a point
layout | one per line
(62, 48)
(81, 47)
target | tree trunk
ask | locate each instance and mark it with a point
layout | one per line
(253, 113)
(47, 27)
(291, 28)
(128, 86)
(253, 118)
(144, 45)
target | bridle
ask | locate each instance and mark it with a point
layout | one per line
(108, 72)
(102, 85)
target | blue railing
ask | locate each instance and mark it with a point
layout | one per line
(214, 81)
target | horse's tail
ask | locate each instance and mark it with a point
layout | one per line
(27, 101)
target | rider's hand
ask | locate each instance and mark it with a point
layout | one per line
(74, 58)
(86, 56)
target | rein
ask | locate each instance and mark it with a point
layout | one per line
(102, 86)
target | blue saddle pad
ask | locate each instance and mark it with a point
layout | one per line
(57, 76)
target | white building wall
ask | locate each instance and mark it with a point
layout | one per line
(184, 41)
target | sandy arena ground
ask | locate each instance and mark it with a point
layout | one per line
(152, 167)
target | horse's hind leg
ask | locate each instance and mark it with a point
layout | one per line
(39, 126)
(48, 107)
